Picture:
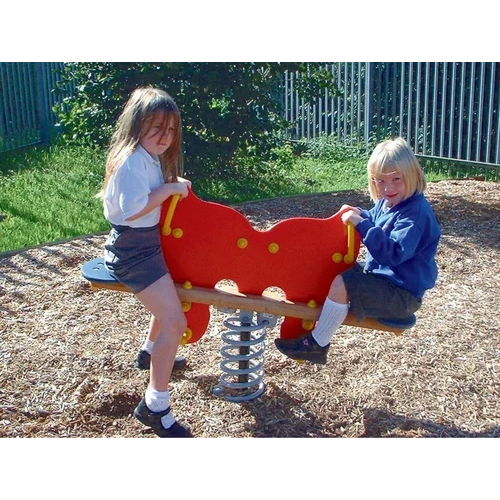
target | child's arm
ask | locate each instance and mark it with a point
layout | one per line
(159, 195)
(393, 248)
(363, 213)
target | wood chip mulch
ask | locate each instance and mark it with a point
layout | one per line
(67, 352)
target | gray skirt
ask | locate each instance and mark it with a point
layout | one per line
(134, 257)
(375, 297)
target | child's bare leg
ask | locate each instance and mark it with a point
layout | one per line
(153, 332)
(333, 314)
(338, 291)
(144, 357)
(154, 410)
(162, 300)
(314, 346)
(154, 329)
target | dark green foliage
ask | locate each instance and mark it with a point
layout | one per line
(226, 107)
(328, 148)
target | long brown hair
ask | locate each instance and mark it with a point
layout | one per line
(136, 119)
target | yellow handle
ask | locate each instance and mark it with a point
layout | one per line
(349, 258)
(166, 229)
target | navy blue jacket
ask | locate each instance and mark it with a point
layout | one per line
(402, 243)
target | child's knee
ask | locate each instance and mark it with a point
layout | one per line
(173, 325)
(338, 291)
(176, 325)
(171, 334)
(181, 324)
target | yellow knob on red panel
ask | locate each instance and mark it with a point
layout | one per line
(307, 324)
(242, 243)
(273, 247)
(186, 336)
(337, 258)
(186, 306)
(187, 285)
(177, 232)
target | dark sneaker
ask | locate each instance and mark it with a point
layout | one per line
(153, 420)
(143, 361)
(303, 348)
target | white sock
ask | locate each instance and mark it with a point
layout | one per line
(158, 401)
(148, 346)
(332, 316)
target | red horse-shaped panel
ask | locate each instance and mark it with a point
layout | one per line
(205, 243)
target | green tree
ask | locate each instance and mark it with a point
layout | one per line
(225, 107)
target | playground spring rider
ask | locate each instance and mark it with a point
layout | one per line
(206, 243)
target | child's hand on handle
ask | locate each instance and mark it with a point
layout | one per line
(351, 216)
(354, 209)
(181, 179)
(160, 194)
(179, 188)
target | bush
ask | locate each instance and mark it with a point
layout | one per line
(226, 107)
(329, 148)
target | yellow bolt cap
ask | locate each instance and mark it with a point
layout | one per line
(337, 258)
(307, 324)
(273, 247)
(186, 336)
(242, 243)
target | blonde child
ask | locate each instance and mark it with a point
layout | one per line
(142, 168)
(401, 235)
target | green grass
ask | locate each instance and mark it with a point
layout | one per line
(49, 194)
(303, 177)
(307, 167)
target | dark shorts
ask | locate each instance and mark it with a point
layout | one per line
(375, 297)
(134, 256)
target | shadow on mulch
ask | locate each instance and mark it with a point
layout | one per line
(468, 219)
(283, 416)
(383, 423)
(276, 413)
(118, 405)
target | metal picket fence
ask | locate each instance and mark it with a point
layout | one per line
(26, 100)
(448, 111)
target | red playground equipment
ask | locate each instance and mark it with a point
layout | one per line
(206, 243)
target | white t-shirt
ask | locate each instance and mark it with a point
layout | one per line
(129, 187)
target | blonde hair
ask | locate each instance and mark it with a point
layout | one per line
(135, 121)
(395, 155)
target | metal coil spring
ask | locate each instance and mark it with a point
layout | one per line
(243, 360)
